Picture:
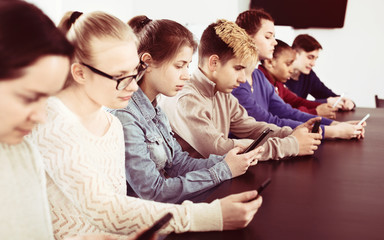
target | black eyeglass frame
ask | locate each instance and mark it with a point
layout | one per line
(141, 68)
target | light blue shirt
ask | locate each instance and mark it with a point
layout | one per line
(156, 167)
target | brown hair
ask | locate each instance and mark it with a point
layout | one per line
(250, 20)
(280, 47)
(27, 34)
(138, 23)
(306, 42)
(161, 38)
(227, 40)
(82, 28)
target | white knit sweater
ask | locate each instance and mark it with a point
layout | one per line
(87, 186)
(24, 208)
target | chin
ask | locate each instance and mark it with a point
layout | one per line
(118, 105)
(12, 140)
(307, 71)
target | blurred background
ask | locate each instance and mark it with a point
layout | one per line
(351, 32)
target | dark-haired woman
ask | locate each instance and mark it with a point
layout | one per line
(34, 61)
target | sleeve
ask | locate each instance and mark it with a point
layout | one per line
(188, 176)
(208, 139)
(318, 88)
(258, 112)
(195, 126)
(74, 172)
(278, 107)
(295, 101)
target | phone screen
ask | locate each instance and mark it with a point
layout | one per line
(316, 126)
(155, 227)
(262, 187)
(257, 142)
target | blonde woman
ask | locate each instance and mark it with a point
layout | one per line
(83, 146)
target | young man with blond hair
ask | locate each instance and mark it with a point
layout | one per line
(204, 112)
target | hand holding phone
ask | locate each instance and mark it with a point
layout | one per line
(257, 142)
(261, 188)
(316, 125)
(148, 234)
(338, 100)
(364, 118)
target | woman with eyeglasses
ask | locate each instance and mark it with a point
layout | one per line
(156, 167)
(82, 145)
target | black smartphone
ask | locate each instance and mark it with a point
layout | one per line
(257, 142)
(148, 234)
(316, 126)
(261, 188)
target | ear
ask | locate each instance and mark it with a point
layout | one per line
(147, 58)
(78, 73)
(269, 63)
(213, 62)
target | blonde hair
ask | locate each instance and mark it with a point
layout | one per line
(82, 29)
(237, 38)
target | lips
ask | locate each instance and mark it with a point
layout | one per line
(24, 131)
(126, 98)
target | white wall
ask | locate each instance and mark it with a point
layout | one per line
(349, 63)
(352, 56)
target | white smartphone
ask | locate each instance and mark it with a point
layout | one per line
(364, 118)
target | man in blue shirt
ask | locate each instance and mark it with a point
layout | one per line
(258, 96)
(304, 81)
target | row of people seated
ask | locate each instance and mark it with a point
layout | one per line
(76, 161)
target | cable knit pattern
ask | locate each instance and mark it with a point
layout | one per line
(86, 183)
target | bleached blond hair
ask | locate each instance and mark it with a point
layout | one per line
(237, 38)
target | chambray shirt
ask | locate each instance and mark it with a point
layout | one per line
(156, 167)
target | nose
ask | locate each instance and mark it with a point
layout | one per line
(38, 114)
(274, 41)
(312, 63)
(290, 69)
(185, 75)
(242, 77)
(132, 87)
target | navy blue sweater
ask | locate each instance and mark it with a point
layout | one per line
(310, 84)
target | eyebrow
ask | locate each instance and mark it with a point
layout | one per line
(184, 61)
(238, 65)
(40, 94)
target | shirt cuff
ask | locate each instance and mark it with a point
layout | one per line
(220, 172)
(206, 216)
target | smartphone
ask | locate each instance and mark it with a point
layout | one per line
(261, 188)
(257, 142)
(364, 118)
(316, 126)
(148, 234)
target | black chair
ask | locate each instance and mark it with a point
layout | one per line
(379, 102)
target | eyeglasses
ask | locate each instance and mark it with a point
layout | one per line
(122, 82)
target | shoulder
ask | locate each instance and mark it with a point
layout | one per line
(24, 153)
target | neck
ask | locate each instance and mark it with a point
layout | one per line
(148, 90)
(204, 69)
(295, 75)
(87, 111)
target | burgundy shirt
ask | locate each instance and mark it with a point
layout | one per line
(290, 97)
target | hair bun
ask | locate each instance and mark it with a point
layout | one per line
(145, 21)
(72, 19)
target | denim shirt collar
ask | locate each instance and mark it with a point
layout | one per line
(144, 105)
